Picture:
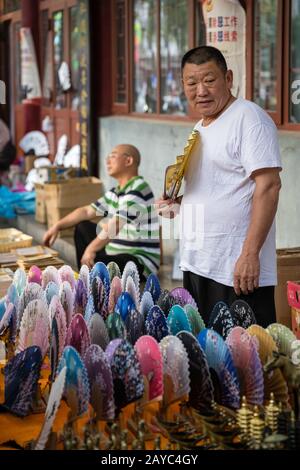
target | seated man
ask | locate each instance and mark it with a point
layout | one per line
(131, 230)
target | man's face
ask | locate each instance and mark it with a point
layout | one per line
(206, 87)
(117, 161)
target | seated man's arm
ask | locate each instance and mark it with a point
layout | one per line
(264, 206)
(70, 220)
(107, 232)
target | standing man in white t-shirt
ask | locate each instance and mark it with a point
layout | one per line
(231, 193)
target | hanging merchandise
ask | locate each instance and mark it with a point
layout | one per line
(30, 79)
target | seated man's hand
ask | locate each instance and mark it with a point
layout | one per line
(88, 257)
(50, 236)
(168, 208)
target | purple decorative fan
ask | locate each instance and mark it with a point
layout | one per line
(97, 331)
(101, 382)
(81, 296)
(99, 296)
(126, 373)
(21, 380)
(156, 324)
(114, 293)
(221, 319)
(84, 276)
(183, 297)
(202, 391)
(153, 286)
(66, 296)
(66, 273)
(150, 359)
(77, 390)
(100, 270)
(34, 328)
(110, 350)
(246, 360)
(50, 274)
(78, 335)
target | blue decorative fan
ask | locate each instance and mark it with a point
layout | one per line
(89, 309)
(20, 280)
(223, 371)
(99, 269)
(21, 380)
(77, 391)
(146, 304)
(243, 313)
(221, 319)
(51, 289)
(202, 390)
(12, 296)
(156, 324)
(178, 320)
(153, 286)
(124, 305)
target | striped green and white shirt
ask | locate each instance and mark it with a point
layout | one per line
(139, 236)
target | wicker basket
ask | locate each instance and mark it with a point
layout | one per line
(11, 238)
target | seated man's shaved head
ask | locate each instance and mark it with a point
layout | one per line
(132, 151)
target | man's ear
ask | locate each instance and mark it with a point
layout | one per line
(229, 78)
(129, 160)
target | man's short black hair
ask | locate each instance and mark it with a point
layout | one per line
(202, 54)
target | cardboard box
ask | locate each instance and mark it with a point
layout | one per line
(40, 203)
(29, 162)
(293, 297)
(73, 193)
(288, 268)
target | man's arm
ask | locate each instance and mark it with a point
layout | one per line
(264, 206)
(78, 215)
(107, 233)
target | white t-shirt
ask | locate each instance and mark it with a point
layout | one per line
(216, 207)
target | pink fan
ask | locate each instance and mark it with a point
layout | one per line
(84, 275)
(78, 335)
(150, 359)
(66, 297)
(34, 275)
(247, 363)
(114, 294)
(56, 311)
(34, 328)
(50, 274)
(176, 368)
(133, 291)
(66, 273)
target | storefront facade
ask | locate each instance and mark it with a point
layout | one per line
(134, 94)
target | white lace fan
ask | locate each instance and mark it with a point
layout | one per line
(66, 296)
(61, 150)
(50, 274)
(130, 269)
(36, 142)
(72, 157)
(52, 407)
(34, 328)
(84, 275)
(133, 291)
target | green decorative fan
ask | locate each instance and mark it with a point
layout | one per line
(195, 319)
(282, 336)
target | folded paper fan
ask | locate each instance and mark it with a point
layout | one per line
(31, 292)
(78, 335)
(247, 362)
(34, 328)
(156, 323)
(77, 390)
(66, 296)
(243, 313)
(99, 296)
(35, 275)
(166, 301)
(52, 408)
(81, 297)
(114, 293)
(89, 309)
(131, 269)
(50, 274)
(153, 286)
(202, 391)
(54, 349)
(125, 304)
(195, 319)
(113, 270)
(150, 359)
(101, 382)
(57, 312)
(66, 273)
(36, 142)
(84, 275)
(132, 290)
(224, 376)
(21, 376)
(146, 304)
(115, 326)
(274, 381)
(175, 368)
(282, 336)
(100, 270)
(183, 297)
(178, 321)
(134, 324)
(221, 319)
(19, 280)
(98, 331)
(51, 289)
(9, 322)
